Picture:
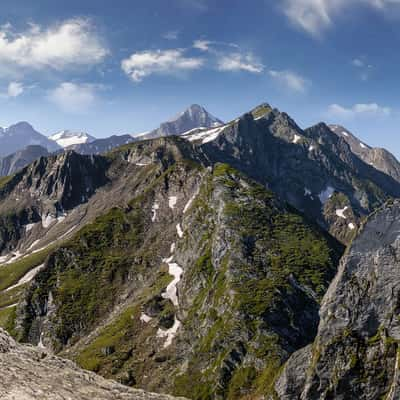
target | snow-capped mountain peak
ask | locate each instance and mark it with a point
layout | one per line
(194, 116)
(68, 138)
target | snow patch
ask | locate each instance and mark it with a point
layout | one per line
(351, 226)
(33, 245)
(172, 248)
(340, 212)
(154, 212)
(345, 133)
(27, 277)
(326, 194)
(47, 220)
(29, 227)
(61, 217)
(145, 318)
(179, 230)
(311, 148)
(14, 257)
(40, 344)
(363, 146)
(307, 192)
(296, 138)
(172, 202)
(169, 333)
(176, 271)
(189, 203)
(206, 136)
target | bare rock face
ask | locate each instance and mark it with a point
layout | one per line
(29, 373)
(379, 158)
(356, 352)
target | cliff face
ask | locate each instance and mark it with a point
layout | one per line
(29, 373)
(356, 352)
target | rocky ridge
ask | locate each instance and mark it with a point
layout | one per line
(379, 158)
(29, 373)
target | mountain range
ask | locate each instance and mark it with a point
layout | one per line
(241, 260)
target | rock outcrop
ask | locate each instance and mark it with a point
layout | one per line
(356, 352)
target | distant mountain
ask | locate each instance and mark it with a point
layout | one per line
(193, 117)
(379, 158)
(99, 146)
(17, 137)
(68, 138)
(20, 159)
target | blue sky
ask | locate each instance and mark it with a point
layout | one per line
(127, 65)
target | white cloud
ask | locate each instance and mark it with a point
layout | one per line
(15, 89)
(74, 98)
(291, 80)
(203, 45)
(168, 62)
(363, 67)
(314, 16)
(370, 109)
(171, 35)
(69, 44)
(239, 62)
(358, 63)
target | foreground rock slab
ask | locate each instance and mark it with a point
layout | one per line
(30, 373)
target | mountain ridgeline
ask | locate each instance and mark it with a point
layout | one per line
(197, 265)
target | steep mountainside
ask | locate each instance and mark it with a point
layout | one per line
(356, 352)
(28, 374)
(14, 162)
(194, 117)
(312, 169)
(17, 137)
(156, 310)
(68, 139)
(379, 158)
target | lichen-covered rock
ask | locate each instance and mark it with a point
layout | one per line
(356, 352)
(29, 373)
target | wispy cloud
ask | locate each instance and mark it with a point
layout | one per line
(203, 45)
(291, 80)
(315, 16)
(240, 62)
(171, 35)
(364, 69)
(229, 56)
(361, 109)
(195, 5)
(74, 98)
(166, 62)
(15, 89)
(71, 43)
